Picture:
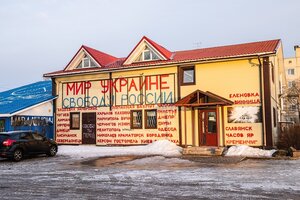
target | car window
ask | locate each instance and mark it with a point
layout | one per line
(26, 136)
(37, 136)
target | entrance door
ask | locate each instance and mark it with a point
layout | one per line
(88, 128)
(208, 127)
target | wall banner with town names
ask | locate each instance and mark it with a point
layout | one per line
(112, 100)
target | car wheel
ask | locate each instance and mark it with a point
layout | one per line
(18, 155)
(52, 151)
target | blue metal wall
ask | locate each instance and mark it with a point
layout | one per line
(46, 130)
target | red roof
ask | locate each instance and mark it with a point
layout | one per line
(214, 53)
(102, 58)
(165, 52)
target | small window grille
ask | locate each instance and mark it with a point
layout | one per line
(136, 119)
(151, 119)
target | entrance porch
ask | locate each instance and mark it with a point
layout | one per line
(202, 122)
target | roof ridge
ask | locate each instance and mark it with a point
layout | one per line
(230, 45)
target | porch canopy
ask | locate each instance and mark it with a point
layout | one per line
(199, 98)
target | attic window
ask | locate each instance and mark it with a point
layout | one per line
(147, 55)
(86, 62)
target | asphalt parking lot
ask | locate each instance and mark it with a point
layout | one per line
(156, 177)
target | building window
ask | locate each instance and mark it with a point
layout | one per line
(136, 119)
(147, 55)
(274, 117)
(290, 84)
(74, 121)
(290, 62)
(187, 75)
(151, 119)
(291, 71)
(86, 62)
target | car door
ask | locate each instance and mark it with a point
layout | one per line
(41, 144)
(27, 143)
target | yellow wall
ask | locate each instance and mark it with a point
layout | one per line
(237, 81)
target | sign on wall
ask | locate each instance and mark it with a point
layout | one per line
(112, 100)
(140, 90)
(244, 120)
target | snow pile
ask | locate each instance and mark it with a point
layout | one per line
(161, 147)
(248, 152)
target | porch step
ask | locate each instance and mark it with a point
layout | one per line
(203, 151)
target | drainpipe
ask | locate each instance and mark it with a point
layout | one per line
(261, 100)
(110, 91)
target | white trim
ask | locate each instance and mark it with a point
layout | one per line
(91, 57)
(25, 109)
(76, 57)
(138, 50)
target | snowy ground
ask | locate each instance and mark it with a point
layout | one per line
(162, 147)
(155, 177)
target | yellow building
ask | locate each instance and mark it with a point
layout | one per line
(292, 70)
(218, 96)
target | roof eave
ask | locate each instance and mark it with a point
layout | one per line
(169, 62)
(27, 108)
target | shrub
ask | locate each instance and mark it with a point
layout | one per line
(289, 138)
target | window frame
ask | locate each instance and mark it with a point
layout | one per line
(131, 119)
(86, 59)
(153, 56)
(181, 73)
(146, 118)
(291, 71)
(290, 84)
(71, 121)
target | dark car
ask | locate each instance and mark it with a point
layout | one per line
(16, 144)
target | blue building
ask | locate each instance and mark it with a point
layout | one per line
(29, 107)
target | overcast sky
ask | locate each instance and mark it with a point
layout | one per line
(41, 36)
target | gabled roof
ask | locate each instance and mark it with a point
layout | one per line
(262, 48)
(100, 57)
(201, 98)
(21, 98)
(163, 51)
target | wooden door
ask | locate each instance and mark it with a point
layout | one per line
(88, 128)
(208, 128)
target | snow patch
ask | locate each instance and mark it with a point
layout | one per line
(247, 151)
(161, 147)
